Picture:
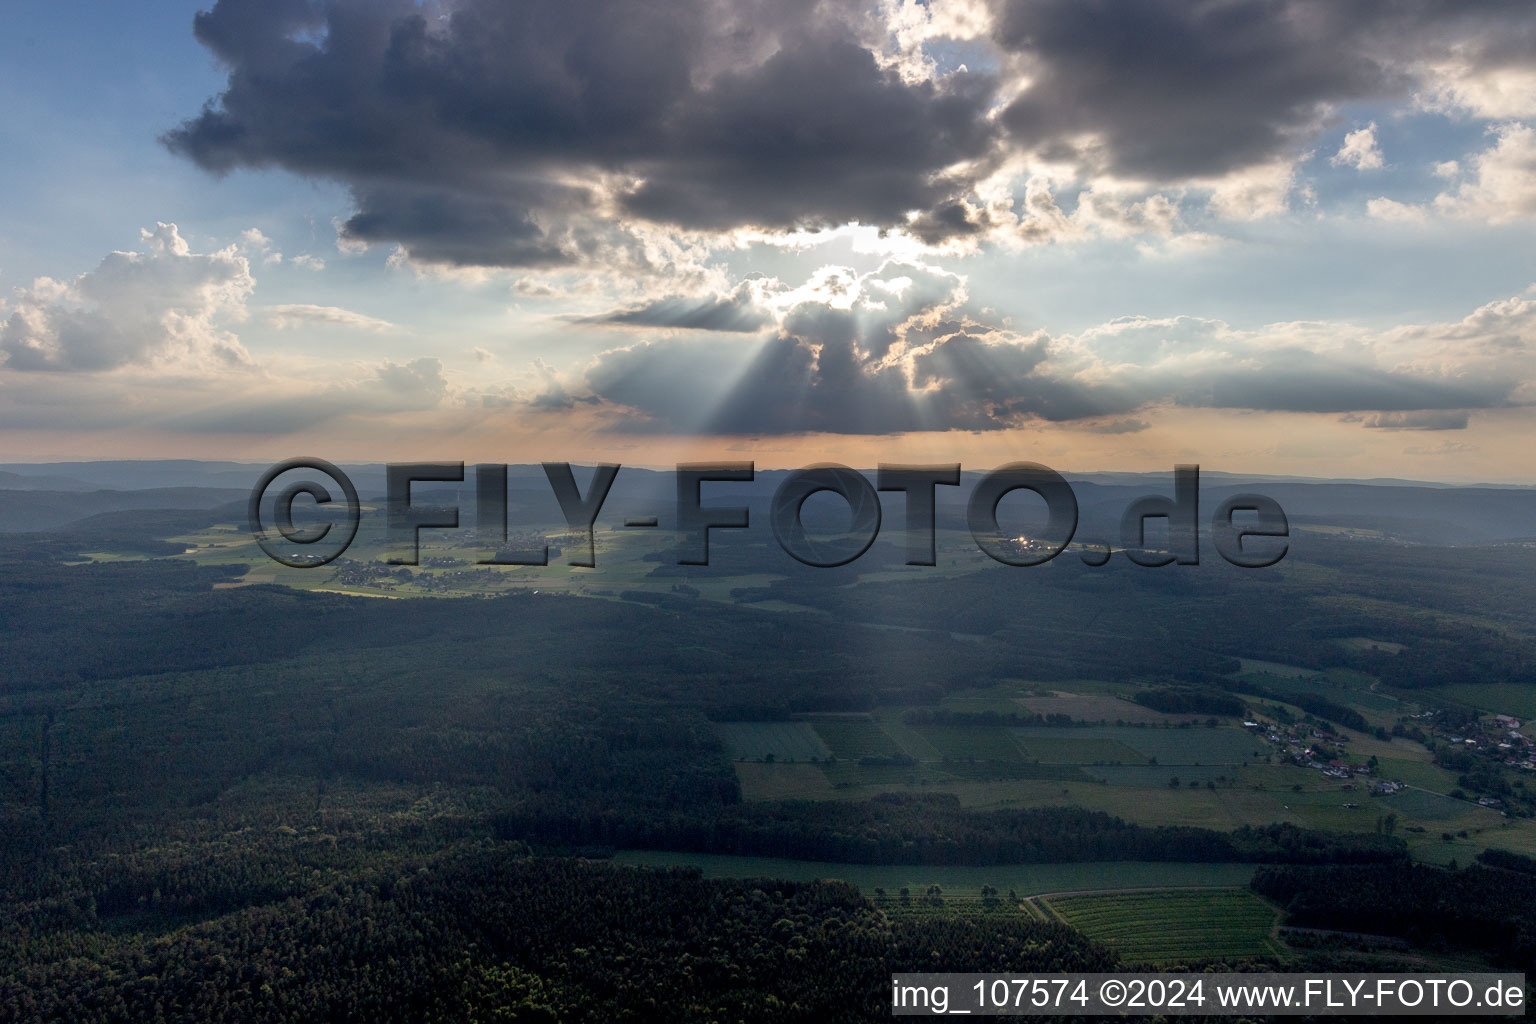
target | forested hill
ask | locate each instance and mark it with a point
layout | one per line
(488, 934)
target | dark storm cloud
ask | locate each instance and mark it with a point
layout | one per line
(484, 132)
(1176, 89)
(466, 228)
(461, 136)
(817, 134)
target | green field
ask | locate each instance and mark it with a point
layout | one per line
(1174, 927)
(1014, 770)
(884, 776)
(1097, 708)
(998, 701)
(965, 743)
(1254, 666)
(1508, 699)
(935, 776)
(782, 741)
(1423, 774)
(1424, 806)
(1226, 776)
(1157, 777)
(1065, 747)
(1340, 686)
(1365, 643)
(853, 737)
(1175, 746)
(957, 882)
(910, 740)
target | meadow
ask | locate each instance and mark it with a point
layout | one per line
(854, 736)
(971, 743)
(1066, 747)
(776, 741)
(1496, 698)
(1194, 745)
(1085, 707)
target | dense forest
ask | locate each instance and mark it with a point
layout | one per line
(488, 933)
(254, 803)
(1477, 908)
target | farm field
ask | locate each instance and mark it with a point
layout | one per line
(1422, 805)
(1229, 806)
(956, 882)
(996, 701)
(1519, 701)
(1021, 770)
(1067, 748)
(1175, 746)
(1158, 776)
(780, 741)
(928, 776)
(854, 736)
(1423, 774)
(1340, 687)
(1254, 795)
(991, 767)
(1098, 708)
(1365, 643)
(907, 736)
(965, 742)
(1173, 926)
(878, 778)
(1254, 666)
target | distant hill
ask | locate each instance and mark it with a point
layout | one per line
(21, 482)
(47, 495)
(138, 474)
(31, 511)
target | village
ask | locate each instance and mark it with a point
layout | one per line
(1479, 747)
(451, 574)
(1317, 747)
(1503, 741)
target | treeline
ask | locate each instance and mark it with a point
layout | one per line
(1508, 860)
(930, 829)
(482, 933)
(1190, 701)
(980, 719)
(1312, 703)
(1477, 908)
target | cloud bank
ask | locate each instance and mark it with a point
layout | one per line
(902, 349)
(553, 133)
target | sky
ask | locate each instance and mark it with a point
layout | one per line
(1265, 236)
